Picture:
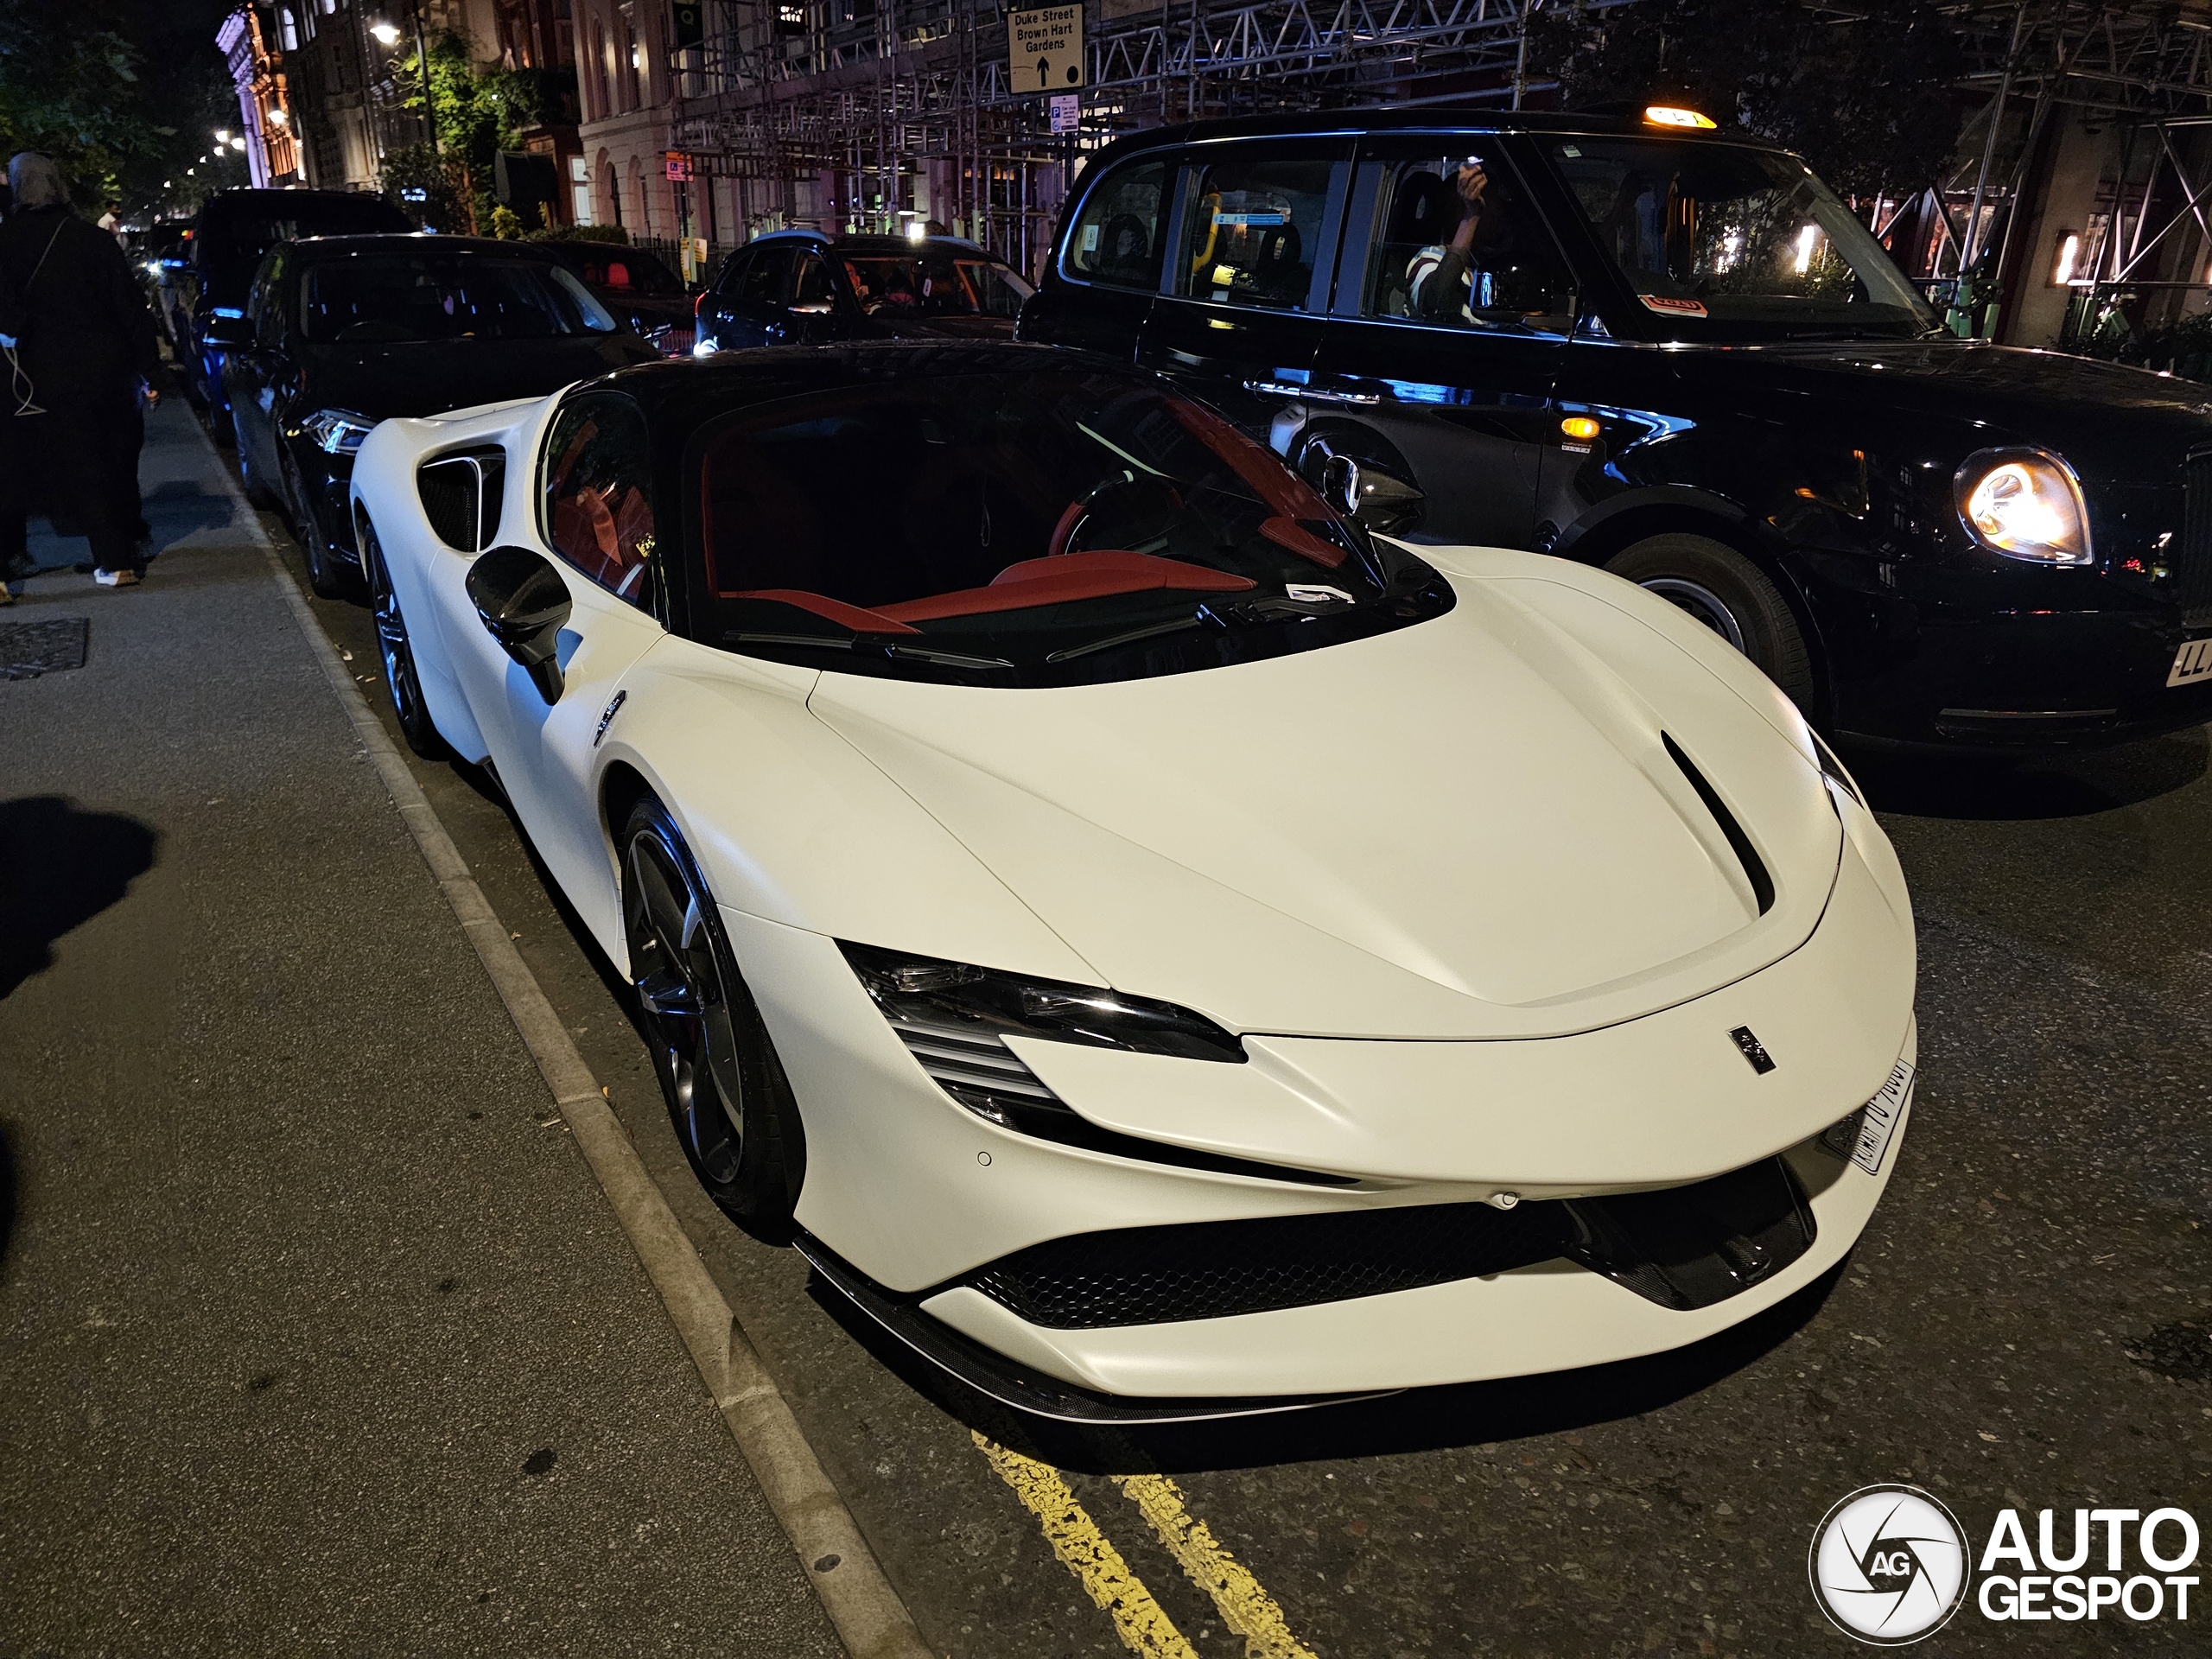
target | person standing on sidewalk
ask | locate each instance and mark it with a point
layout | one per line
(86, 349)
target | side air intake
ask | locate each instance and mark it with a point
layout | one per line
(1741, 844)
(461, 496)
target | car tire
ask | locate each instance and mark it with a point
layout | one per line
(400, 678)
(1718, 587)
(728, 1098)
(329, 576)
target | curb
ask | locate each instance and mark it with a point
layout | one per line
(869, 1617)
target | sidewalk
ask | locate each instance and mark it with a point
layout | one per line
(311, 1335)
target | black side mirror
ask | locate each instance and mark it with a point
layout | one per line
(227, 334)
(1370, 495)
(524, 603)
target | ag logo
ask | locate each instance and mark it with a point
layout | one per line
(1888, 1565)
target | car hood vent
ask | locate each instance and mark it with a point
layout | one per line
(1754, 869)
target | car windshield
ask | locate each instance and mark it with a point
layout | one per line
(625, 271)
(933, 282)
(1732, 242)
(1046, 527)
(391, 299)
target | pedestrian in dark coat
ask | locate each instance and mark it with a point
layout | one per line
(86, 345)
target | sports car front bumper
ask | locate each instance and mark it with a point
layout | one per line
(909, 1196)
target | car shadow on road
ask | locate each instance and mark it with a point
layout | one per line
(1418, 1419)
(2062, 784)
(60, 866)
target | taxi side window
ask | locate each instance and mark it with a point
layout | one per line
(1253, 231)
(1117, 241)
(812, 293)
(762, 284)
(264, 307)
(1461, 245)
(596, 487)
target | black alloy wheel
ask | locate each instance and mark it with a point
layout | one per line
(399, 676)
(727, 1095)
(1722, 590)
(256, 489)
(329, 576)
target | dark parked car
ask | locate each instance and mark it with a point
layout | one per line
(233, 229)
(338, 332)
(801, 288)
(1678, 355)
(636, 287)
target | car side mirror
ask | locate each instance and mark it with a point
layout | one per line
(230, 333)
(1370, 496)
(524, 603)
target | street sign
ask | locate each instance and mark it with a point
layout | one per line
(690, 24)
(679, 167)
(1067, 112)
(1044, 49)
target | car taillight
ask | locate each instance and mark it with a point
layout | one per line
(699, 305)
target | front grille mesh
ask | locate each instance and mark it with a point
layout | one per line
(1204, 1270)
(1681, 1247)
(2193, 571)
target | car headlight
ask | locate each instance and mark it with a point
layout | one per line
(704, 346)
(2025, 504)
(337, 431)
(981, 1002)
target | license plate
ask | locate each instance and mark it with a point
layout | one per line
(1877, 1119)
(2192, 663)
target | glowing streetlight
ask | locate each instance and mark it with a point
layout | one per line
(222, 135)
(237, 143)
(386, 34)
(280, 117)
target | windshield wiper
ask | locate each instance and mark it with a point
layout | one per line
(947, 658)
(864, 643)
(1131, 637)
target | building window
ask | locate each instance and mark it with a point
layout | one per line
(606, 66)
(287, 30)
(637, 55)
(580, 189)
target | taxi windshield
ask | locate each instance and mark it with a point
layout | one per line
(1728, 243)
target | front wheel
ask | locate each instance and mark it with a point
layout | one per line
(328, 573)
(727, 1095)
(1722, 590)
(398, 654)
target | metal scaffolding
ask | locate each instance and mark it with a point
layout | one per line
(871, 94)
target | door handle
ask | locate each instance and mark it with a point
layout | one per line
(1311, 394)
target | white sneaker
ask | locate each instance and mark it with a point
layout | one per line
(6, 597)
(116, 578)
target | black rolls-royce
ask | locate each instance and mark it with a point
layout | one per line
(1675, 353)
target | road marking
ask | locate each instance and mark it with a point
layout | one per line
(1142, 1623)
(1244, 1606)
(866, 1613)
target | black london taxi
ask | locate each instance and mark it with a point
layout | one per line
(803, 288)
(1675, 353)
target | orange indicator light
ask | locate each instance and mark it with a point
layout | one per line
(1580, 428)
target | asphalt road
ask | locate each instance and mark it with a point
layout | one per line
(2028, 1322)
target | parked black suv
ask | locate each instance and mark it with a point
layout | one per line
(801, 288)
(339, 333)
(1678, 355)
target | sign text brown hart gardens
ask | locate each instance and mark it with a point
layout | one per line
(1044, 49)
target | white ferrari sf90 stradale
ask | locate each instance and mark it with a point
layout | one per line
(1158, 948)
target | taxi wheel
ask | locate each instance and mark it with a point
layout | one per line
(1722, 590)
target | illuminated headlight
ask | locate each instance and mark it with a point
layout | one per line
(2025, 504)
(337, 431)
(704, 346)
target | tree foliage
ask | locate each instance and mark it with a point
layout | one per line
(476, 112)
(1867, 101)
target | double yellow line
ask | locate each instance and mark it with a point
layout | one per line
(1142, 1623)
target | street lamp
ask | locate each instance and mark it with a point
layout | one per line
(222, 135)
(385, 33)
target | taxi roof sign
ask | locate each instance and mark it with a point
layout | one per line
(1673, 115)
